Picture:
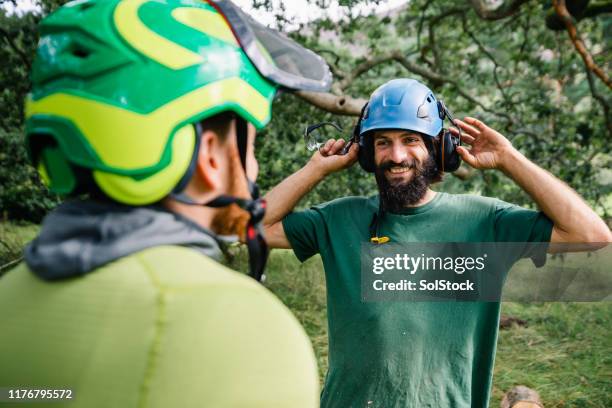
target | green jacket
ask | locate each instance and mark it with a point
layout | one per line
(163, 326)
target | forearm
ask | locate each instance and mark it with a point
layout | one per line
(574, 220)
(284, 197)
(281, 200)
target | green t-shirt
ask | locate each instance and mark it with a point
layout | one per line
(407, 354)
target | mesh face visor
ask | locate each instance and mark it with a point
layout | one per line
(276, 57)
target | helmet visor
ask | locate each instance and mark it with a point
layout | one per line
(276, 57)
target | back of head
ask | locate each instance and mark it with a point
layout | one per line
(120, 89)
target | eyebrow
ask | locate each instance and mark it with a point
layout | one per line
(404, 134)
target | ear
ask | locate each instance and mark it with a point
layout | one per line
(211, 167)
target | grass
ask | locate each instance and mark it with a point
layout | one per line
(564, 352)
(13, 236)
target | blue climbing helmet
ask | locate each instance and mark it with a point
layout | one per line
(407, 104)
(403, 104)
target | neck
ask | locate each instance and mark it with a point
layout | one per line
(199, 214)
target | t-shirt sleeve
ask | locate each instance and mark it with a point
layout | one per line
(517, 224)
(302, 230)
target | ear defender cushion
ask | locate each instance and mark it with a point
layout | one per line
(365, 154)
(448, 160)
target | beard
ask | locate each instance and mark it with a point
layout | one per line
(395, 196)
(231, 219)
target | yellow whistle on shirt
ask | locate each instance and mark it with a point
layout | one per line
(379, 240)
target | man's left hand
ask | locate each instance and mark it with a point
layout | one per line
(489, 148)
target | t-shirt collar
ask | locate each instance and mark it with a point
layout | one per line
(422, 208)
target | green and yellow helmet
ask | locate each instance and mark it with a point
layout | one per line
(118, 85)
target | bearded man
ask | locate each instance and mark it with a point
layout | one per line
(415, 354)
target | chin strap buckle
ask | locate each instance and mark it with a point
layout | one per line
(257, 209)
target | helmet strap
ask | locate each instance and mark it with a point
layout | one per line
(256, 207)
(242, 139)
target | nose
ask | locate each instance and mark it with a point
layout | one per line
(398, 152)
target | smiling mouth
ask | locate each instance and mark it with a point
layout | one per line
(399, 170)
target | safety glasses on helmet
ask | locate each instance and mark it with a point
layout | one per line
(276, 57)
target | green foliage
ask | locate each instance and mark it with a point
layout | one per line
(563, 353)
(22, 195)
(17, 47)
(515, 74)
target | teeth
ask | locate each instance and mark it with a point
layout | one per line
(396, 170)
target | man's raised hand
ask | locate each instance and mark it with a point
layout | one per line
(489, 148)
(328, 158)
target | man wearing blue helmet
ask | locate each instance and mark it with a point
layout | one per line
(415, 354)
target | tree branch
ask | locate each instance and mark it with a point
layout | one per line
(339, 105)
(420, 26)
(439, 79)
(506, 9)
(565, 16)
(602, 101)
(433, 23)
(366, 65)
(347, 105)
(397, 56)
(525, 25)
(486, 52)
(333, 67)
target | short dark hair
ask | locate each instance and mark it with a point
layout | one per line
(219, 123)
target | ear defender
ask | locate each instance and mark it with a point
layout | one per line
(447, 158)
(365, 154)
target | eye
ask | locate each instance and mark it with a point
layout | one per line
(382, 142)
(411, 139)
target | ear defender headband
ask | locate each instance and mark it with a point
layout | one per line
(445, 151)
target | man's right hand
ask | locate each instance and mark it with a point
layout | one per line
(328, 160)
(282, 198)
